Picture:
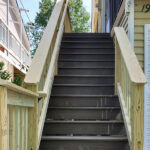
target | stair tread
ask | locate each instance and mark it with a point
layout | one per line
(59, 75)
(100, 138)
(93, 42)
(87, 85)
(86, 108)
(84, 95)
(85, 122)
(87, 53)
(71, 60)
(103, 67)
(84, 47)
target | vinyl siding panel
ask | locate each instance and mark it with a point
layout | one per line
(140, 20)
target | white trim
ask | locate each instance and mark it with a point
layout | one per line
(147, 88)
(10, 61)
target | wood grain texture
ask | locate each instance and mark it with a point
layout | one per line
(129, 82)
(37, 66)
(134, 70)
(17, 89)
(124, 113)
(3, 119)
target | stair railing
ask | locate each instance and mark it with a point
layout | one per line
(44, 65)
(23, 111)
(129, 86)
(18, 117)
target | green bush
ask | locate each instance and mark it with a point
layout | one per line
(4, 74)
(17, 80)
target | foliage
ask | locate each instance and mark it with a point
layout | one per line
(78, 14)
(4, 74)
(17, 80)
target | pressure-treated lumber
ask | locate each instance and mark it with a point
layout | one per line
(125, 113)
(129, 85)
(138, 117)
(17, 99)
(134, 70)
(36, 68)
(17, 89)
(51, 72)
(3, 119)
(33, 122)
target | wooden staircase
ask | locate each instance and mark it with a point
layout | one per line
(84, 113)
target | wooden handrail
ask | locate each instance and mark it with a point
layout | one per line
(17, 89)
(51, 71)
(44, 65)
(134, 69)
(35, 71)
(55, 52)
(129, 86)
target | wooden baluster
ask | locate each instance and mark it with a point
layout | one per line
(117, 63)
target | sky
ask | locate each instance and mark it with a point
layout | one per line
(33, 8)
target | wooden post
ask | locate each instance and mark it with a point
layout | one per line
(3, 119)
(68, 27)
(33, 122)
(137, 124)
(117, 64)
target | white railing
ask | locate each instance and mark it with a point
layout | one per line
(13, 45)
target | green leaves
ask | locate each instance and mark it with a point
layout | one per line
(4, 74)
(78, 14)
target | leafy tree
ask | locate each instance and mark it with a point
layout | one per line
(78, 14)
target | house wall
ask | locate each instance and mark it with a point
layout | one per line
(15, 28)
(141, 18)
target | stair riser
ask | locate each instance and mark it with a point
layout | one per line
(83, 145)
(83, 80)
(86, 51)
(87, 57)
(84, 114)
(86, 71)
(83, 90)
(84, 129)
(83, 102)
(85, 64)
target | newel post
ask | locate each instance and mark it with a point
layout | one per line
(137, 125)
(3, 119)
(33, 122)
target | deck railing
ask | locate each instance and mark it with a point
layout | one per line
(129, 86)
(18, 116)
(13, 46)
(44, 65)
